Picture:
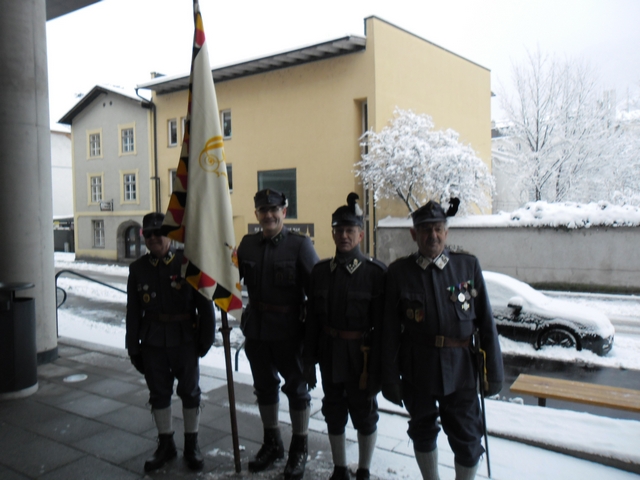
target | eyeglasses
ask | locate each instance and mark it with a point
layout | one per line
(268, 208)
(151, 233)
(345, 230)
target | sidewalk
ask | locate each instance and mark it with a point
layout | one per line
(98, 427)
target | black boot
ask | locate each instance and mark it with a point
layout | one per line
(340, 473)
(362, 474)
(272, 449)
(294, 470)
(192, 454)
(166, 451)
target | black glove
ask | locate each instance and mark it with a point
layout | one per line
(310, 376)
(494, 389)
(136, 361)
(203, 349)
(392, 392)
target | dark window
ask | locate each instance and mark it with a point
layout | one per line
(226, 123)
(284, 181)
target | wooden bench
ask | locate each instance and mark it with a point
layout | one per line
(580, 392)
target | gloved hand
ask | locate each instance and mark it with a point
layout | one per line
(203, 349)
(392, 392)
(310, 376)
(494, 389)
(137, 362)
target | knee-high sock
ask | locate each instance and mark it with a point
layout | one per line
(428, 463)
(269, 415)
(366, 445)
(338, 449)
(191, 418)
(300, 421)
(164, 421)
(465, 473)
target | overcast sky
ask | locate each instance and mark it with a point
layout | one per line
(121, 41)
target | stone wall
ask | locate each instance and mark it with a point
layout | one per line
(596, 256)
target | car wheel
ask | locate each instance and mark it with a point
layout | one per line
(557, 337)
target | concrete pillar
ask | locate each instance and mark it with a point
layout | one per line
(26, 212)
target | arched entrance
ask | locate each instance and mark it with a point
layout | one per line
(129, 241)
(132, 242)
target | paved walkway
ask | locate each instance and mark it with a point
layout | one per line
(88, 419)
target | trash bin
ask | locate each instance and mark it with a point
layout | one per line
(18, 356)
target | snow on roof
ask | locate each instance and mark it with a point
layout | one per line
(543, 214)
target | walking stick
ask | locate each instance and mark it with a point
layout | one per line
(226, 330)
(483, 382)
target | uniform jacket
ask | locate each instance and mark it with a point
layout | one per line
(155, 286)
(276, 273)
(347, 293)
(432, 301)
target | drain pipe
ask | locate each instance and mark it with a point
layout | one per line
(155, 176)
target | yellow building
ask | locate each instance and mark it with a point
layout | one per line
(293, 120)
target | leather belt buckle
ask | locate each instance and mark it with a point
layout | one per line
(439, 341)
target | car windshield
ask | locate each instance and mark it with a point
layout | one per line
(502, 288)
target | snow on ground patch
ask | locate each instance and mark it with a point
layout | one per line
(84, 288)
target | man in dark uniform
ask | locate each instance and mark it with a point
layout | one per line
(276, 264)
(343, 334)
(169, 325)
(435, 300)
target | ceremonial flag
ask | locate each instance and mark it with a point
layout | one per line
(199, 213)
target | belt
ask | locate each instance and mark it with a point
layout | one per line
(167, 317)
(438, 341)
(344, 334)
(267, 307)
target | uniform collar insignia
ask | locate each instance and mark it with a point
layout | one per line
(167, 259)
(353, 265)
(277, 239)
(333, 264)
(440, 261)
(423, 262)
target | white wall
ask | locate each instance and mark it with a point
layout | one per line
(61, 173)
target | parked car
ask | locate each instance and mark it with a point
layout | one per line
(526, 315)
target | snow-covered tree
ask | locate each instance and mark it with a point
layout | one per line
(411, 161)
(565, 142)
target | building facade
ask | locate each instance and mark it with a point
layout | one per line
(293, 121)
(113, 173)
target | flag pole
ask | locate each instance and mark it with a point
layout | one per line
(226, 331)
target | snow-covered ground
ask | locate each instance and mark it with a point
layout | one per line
(614, 438)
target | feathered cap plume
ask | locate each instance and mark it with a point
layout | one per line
(349, 214)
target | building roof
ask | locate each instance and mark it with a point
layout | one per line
(57, 8)
(95, 92)
(320, 51)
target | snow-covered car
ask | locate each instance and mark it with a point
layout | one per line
(526, 315)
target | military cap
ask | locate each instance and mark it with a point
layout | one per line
(349, 214)
(433, 212)
(152, 221)
(269, 196)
